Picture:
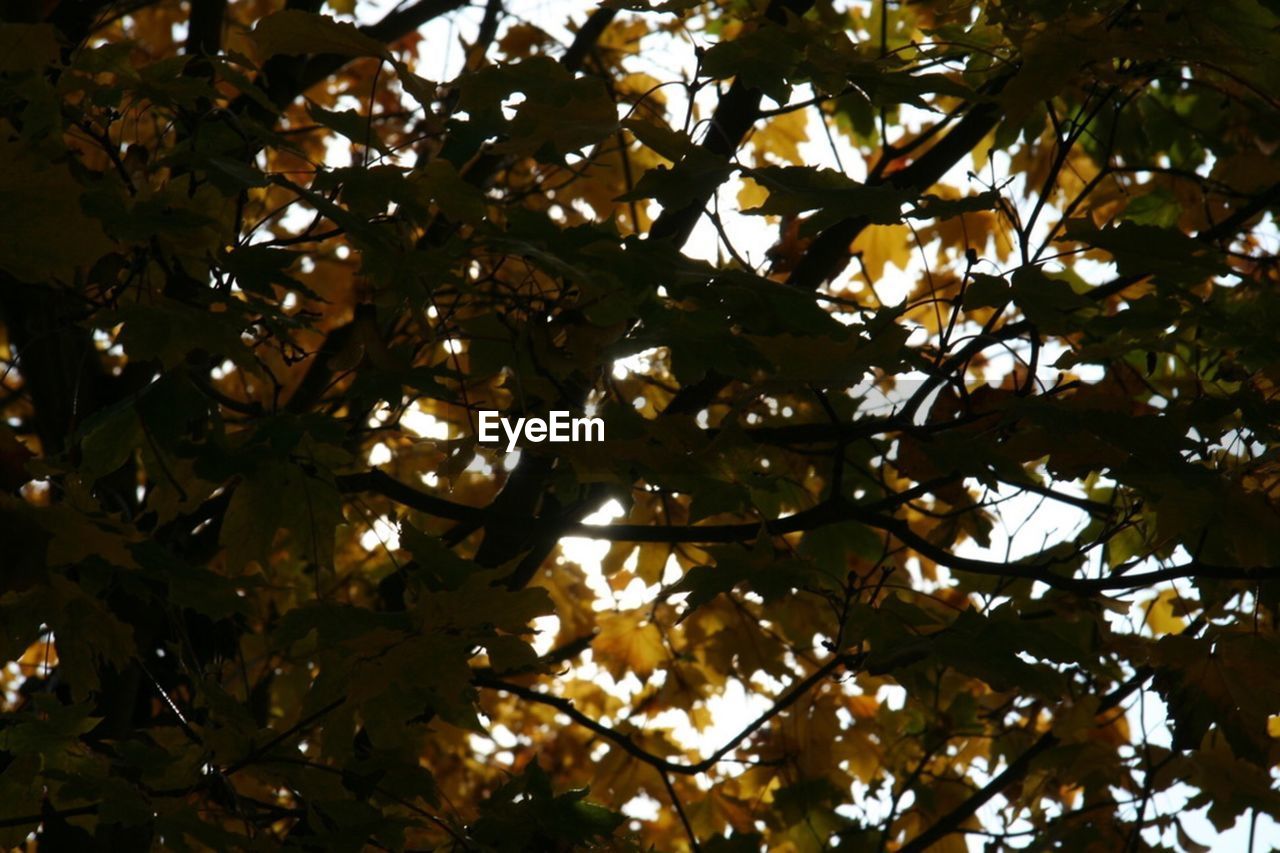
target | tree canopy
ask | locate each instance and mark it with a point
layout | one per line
(935, 344)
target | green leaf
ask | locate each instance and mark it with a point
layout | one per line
(525, 814)
(1171, 256)
(560, 114)
(671, 144)
(763, 58)
(1048, 302)
(1158, 208)
(693, 178)
(933, 207)
(457, 199)
(797, 189)
(111, 437)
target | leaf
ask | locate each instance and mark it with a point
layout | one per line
(1161, 613)
(1171, 256)
(1222, 685)
(257, 268)
(476, 607)
(419, 88)
(1159, 208)
(1050, 303)
(986, 291)
(47, 234)
(649, 6)
(359, 129)
(560, 114)
(752, 196)
(295, 32)
(933, 207)
(457, 199)
(989, 651)
(879, 246)
(798, 189)
(111, 437)
(692, 178)
(781, 138)
(279, 496)
(628, 642)
(581, 114)
(526, 814)
(168, 331)
(704, 583)
(671, 144)
(91, 637)
(53, 730)
(27, 47)
(764, 59)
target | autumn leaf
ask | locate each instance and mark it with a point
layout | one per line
(883, 245)
(628, 642)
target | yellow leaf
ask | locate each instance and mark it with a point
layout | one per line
(652, 562)
(717, 810)
(521, 39)
(883, 244)
(1161, 616)
(628, 642)
(751, 195)
(1113, 728)
(619, 553)
(782, 136)
(624, 36)
(863, 707)
(1273, 725)
(982, 151)
(343, 7)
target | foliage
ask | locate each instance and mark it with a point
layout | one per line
(857, 292)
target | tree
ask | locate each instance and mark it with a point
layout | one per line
(858, 289)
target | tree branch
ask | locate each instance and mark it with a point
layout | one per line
(34, 819)
(735, 114)
(829, 252)
(284, 78)
(1018, 768)
(204, 27)
(384, 484)
(624, 741)
(552, 528)
(587, 36)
